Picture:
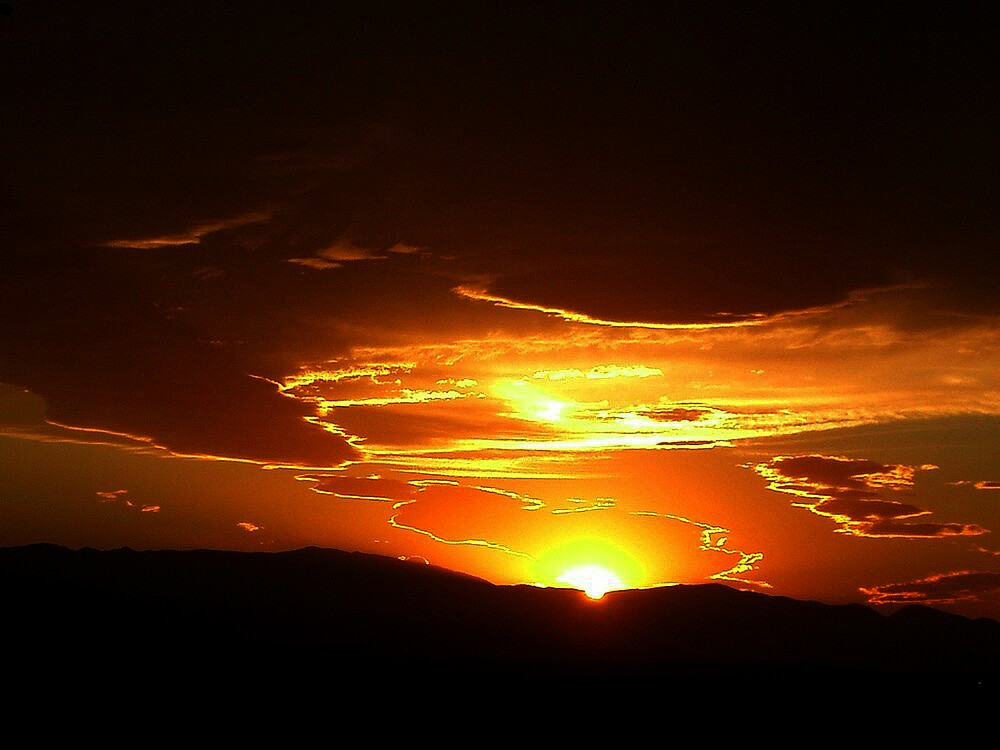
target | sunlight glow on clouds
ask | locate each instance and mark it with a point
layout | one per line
(533, 528)
(692, 388)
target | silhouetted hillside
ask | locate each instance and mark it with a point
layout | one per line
(352, 614)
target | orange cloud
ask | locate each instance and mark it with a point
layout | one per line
(596, 388)
(980, 485)
(112, 496)
(851, 493)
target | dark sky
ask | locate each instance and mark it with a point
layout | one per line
(692, 159)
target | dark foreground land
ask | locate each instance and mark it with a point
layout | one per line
(122, 617)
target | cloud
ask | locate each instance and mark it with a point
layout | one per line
(890, 528)
(676, 414)
(473, 292)
(110, 496)
(401, 248)
(558, 374)
(980, 485)
(939, 588)
(212, 413)
(360, 488)
(317, 264)
(192, 236)
(114, 496)
(851, 492)
(460, 383)
(142, 351)
(345, 251)
(844, 473)
(600, 372)
(249, 527)
(693, 443)
(491, 392)
(217, 414)
(580, 505)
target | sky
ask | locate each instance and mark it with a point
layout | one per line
(677, 293)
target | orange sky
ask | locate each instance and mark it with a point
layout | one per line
(709, 304)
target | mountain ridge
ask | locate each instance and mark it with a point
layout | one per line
(367, 614)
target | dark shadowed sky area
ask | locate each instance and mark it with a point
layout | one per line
(679, 291)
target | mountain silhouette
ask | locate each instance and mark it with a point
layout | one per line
(365, 618)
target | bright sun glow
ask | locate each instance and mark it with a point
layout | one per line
(530, 402)
(594, 580)
(593, 564)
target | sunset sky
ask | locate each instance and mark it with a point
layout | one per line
(686, 292)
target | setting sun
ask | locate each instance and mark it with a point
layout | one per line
(594, 580)
(591, 564)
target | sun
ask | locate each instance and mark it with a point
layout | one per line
(594, 580)
(593, 564)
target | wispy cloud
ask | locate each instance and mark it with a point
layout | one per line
(482, 295)
(984, 484)
(110, 496)
(600, 372)
(348, 487)
(192, 236)
(122, 497)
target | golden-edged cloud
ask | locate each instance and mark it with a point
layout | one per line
(939, 588)
(479, 293)
(595, 388)
(360, 488)
(855, 494)
(600, 372)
